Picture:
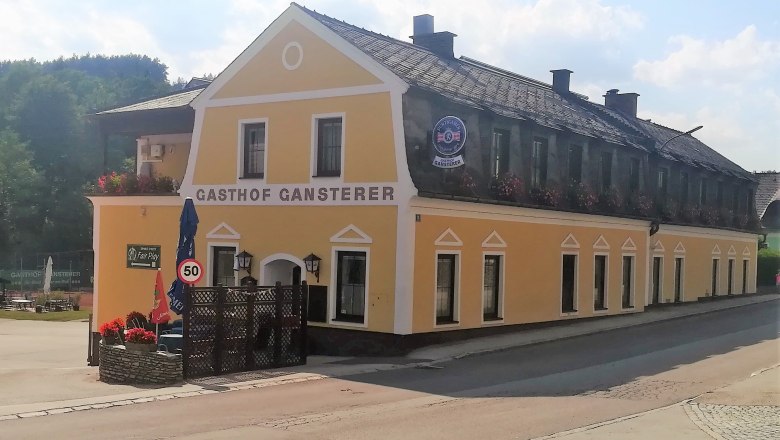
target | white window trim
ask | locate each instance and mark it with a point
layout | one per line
(209, 262)
(576, 283)
(716, 275)
(240, 166)
(733, 274)
(606, 284)
(314, 156)
(333, 286)
(632, 293)
(501, 273)
(745, 280)
(660, 278)
(682, 277)
(456, 300)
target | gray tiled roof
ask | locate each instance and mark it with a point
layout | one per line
(767, 192)
(476, 84)
(177, 99)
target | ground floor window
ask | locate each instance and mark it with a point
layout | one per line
(600, 282)
(730, 286)
(678, 274)
(491, 287)
(628, 282)
(222, 261)
(658, 264)
(350, 286)
(715, 263)
(744, 275)
(569, 283)
(446, 269)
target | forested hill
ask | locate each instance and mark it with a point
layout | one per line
(49, 150)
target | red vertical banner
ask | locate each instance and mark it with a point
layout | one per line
(160, 312)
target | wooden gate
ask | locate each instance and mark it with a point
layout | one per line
(233, 329)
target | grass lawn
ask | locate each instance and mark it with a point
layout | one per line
(68, 315)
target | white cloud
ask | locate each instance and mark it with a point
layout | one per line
(729, 131)
(725, 63)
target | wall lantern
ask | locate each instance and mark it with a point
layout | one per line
(313, 265)
(244, 261)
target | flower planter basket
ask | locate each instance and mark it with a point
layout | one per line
(137, 346)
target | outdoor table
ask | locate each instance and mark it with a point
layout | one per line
(21, 304)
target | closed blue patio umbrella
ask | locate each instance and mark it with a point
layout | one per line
(188, 226)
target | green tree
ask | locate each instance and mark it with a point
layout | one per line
(20, 186)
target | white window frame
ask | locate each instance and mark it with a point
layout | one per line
(575, 304)
(682, 278)
(242, 123)
(606, 283)
(716, 275)
(632, 292)
(733, 274)
(501, 273)
(660, 278)
(333, 285)
(456, 295)
(209, 260)
(315, 118)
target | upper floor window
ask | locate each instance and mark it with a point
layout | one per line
(499, 153)
(703, 191)
(606, 171)
(683, 187)
(329, 147)
(539, 157)
(663, 181)
(633, 175)
(254, 150)
(575, 163)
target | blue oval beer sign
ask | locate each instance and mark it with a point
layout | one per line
(449, 136)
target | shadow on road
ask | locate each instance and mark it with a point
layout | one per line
(592, 364)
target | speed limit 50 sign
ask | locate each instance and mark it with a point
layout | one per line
(190, 271)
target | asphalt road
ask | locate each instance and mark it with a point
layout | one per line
(519, 393)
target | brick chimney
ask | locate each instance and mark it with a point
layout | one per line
(561, 79)
(622, 102)
(440, 43)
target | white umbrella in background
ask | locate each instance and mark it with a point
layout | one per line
(47, 277)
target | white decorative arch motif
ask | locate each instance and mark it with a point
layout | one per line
(448, 238)
(570, 242)
(494, 240)
(276, 257)
(679, 249)
(732, 251)
(351, 234)
(629, 245)
(716, 250)
(224, 231)
(601, 243)
(659, 247)
(746, 252)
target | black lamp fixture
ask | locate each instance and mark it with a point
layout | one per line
(244, 261)
(313, 265)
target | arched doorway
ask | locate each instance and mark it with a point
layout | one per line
(284, 268)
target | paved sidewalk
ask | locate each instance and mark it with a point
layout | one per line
(87, 395)
(445, 352)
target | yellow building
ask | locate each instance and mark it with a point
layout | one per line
(445, 197)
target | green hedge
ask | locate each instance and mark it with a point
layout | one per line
(768, 266)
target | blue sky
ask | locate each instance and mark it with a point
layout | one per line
(713, 63)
